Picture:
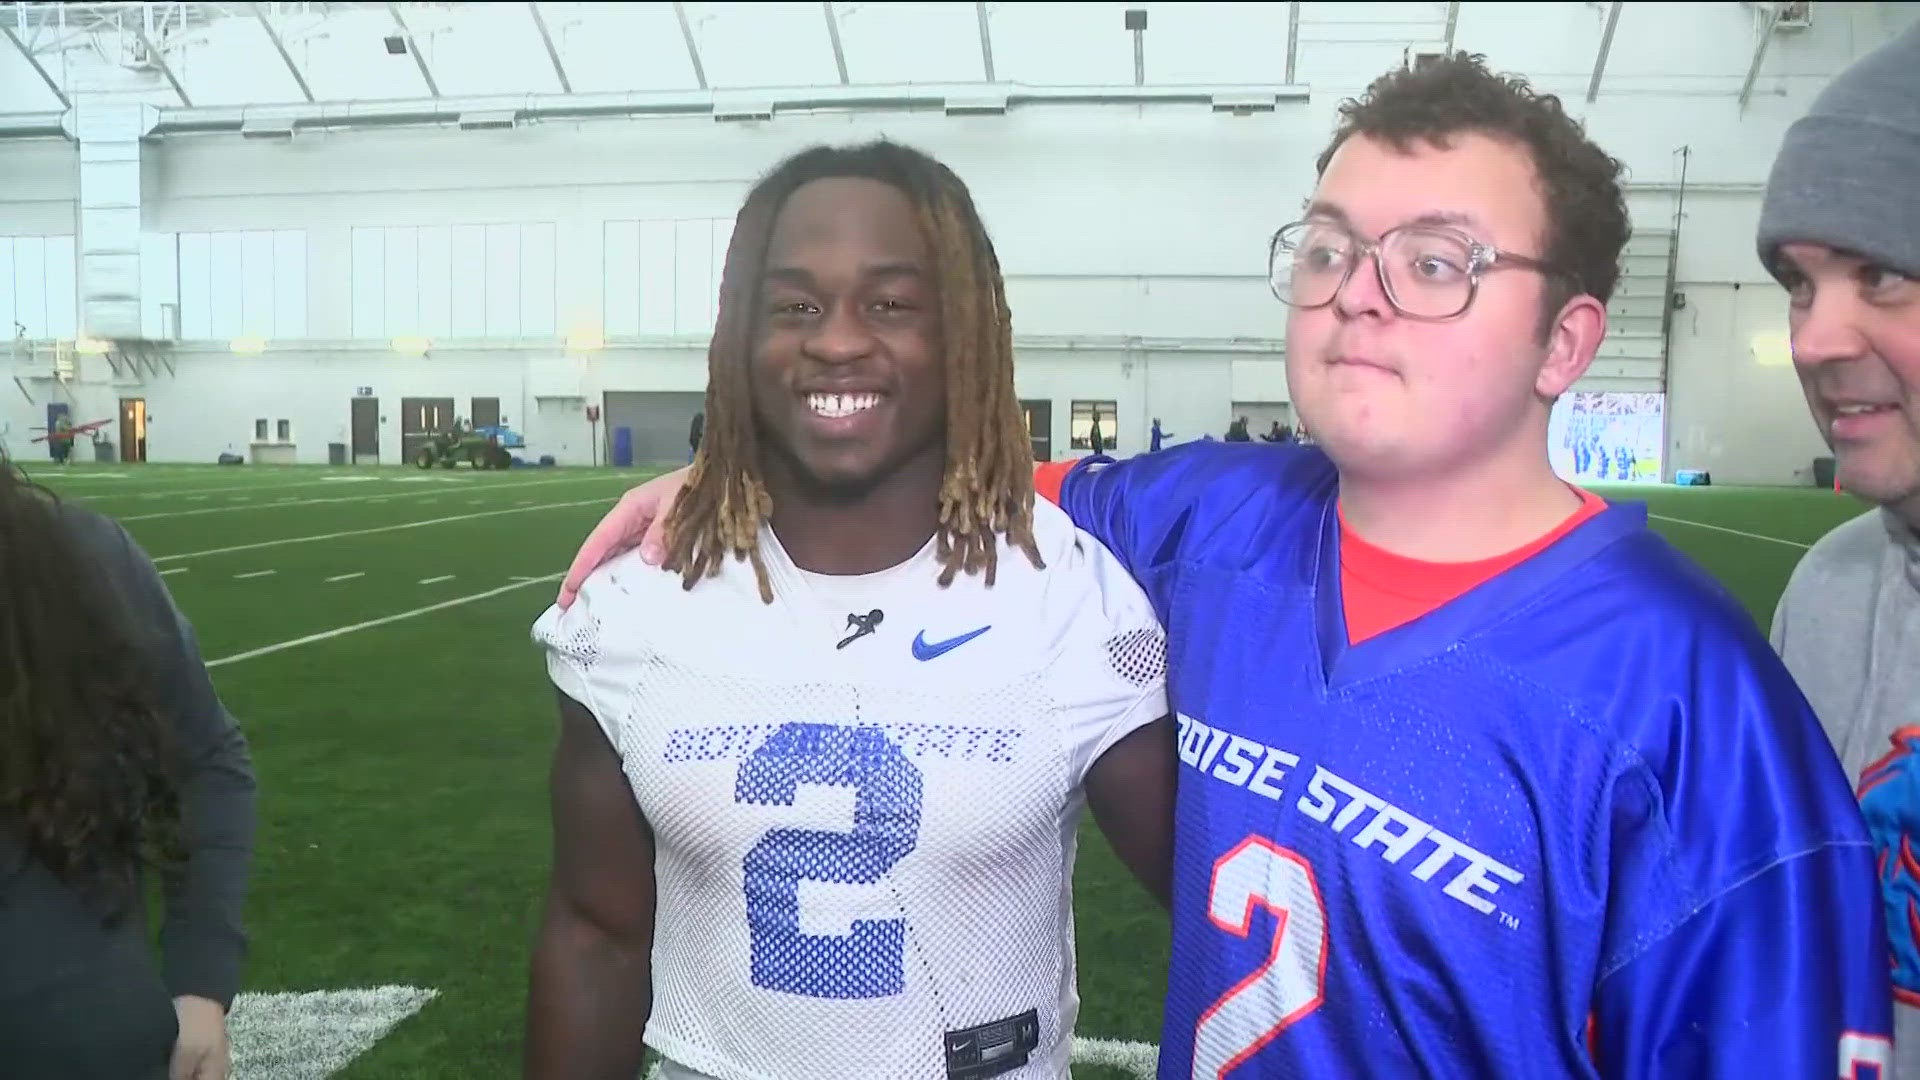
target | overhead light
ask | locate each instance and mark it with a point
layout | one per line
(1772, 348)
(87, 346)
(1244, 103)
(249, 346)
(977, 103)
(585, 340)
(487, 120)
(743, 108)
(267, 129)
(412, 345)
(396, 44)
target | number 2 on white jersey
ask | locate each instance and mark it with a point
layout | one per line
(1292, 982)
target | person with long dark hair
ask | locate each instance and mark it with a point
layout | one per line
(116, 759)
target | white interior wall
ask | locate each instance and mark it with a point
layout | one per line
(1133, 238)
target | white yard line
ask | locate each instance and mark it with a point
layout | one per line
(344, 577)
(1735, 532)
(175, 570)
(311, 1036)
(436, 580)
(377, 529)
(341, 631)
(254, 574)
(1138, 1058)
(349, 499)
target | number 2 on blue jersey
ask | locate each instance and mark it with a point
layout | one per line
(869, 961)
(1292, 983)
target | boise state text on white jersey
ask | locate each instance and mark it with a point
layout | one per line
(864, 798)
(1578, 822)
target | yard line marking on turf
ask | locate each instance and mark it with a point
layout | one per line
(1735, 532)
(190, 498)
(377, 529)
(175, 570)
(256, 573)
(436, 580)
(354, 498)
(341, 631)
(1138, 1058)
(340, 577)
(310, 1036)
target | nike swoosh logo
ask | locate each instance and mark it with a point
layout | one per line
(923, 650)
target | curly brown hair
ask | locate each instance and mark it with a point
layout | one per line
(1587, 223)
(87, 781)
(987, 490)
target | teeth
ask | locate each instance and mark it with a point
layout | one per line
(836, 405)
(1859, 410)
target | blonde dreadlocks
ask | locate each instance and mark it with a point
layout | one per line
(987, 488)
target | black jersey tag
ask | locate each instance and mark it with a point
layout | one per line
(991, 1049)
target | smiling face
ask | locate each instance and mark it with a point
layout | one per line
(1393, 397)
(847, 373)
(1856, 347)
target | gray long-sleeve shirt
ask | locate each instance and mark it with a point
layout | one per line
(1848, 627)
(60, 961)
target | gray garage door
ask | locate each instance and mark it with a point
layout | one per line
(659, 420)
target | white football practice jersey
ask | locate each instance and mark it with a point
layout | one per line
(864, 798)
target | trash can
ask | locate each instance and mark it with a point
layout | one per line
(1823, 473)
(103, 450)
(336, 453)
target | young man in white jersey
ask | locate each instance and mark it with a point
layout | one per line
(818, 780)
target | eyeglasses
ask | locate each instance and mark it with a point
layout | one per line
(1426, 271)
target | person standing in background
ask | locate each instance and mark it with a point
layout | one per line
(1840, 230)
(1094, 437)
(693, 436)
(1156, 438)
(116, 756)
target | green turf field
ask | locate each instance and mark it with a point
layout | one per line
(402, 762)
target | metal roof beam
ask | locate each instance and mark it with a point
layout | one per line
(1774, 11)
(154, 55)
(413, 49)
(1606, 46)
(1293, 37)
(553, 54)
(37, 69)
(281, 48)
(833, 35)
(693, 47)
(986, 40)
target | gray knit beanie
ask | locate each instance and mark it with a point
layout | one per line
(1848, 174)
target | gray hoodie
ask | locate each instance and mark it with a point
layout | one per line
(1848, 627)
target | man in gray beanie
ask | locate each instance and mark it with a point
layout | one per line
(1841, 230)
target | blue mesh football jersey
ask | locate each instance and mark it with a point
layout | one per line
(1578, 822)
(865, 798)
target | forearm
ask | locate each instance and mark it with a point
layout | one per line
(203, 940)
(590, 998)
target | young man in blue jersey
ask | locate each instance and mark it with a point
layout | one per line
(1481, 777)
